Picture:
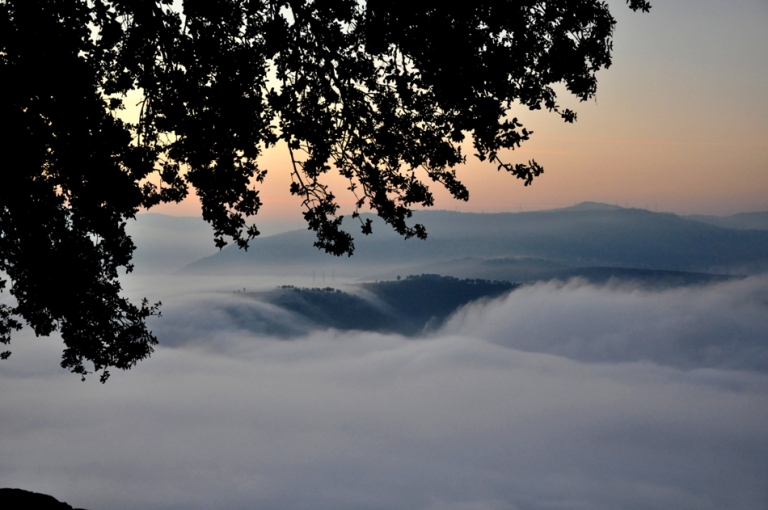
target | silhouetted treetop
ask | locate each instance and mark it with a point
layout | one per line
(376, 91)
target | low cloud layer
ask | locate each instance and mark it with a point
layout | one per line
(553, 397)
(720, 326)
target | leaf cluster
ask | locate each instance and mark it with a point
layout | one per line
(382, 92)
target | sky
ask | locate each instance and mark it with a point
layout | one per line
(679, 124)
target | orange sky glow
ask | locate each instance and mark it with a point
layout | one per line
(679, 124)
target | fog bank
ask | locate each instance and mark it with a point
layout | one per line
(555, 396)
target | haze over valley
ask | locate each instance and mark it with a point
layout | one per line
(588, 357)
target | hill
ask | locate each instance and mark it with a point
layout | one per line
(18, 499)
(741, 221)
(412, 306)
(581, 236)
(409, 306)
(168, 243)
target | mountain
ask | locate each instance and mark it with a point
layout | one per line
(530, 270)
(582, 236)
(590, 206)
(742, 221)
(167, 243)
(410, 306)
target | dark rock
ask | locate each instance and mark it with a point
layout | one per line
(19, 499)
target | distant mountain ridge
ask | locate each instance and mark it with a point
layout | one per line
(585, 235)
(590, 206)
(742, 221)
(167, 243)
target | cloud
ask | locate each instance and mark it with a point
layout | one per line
(510, 406)
(720, 326)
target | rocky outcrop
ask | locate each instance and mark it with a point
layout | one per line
(19, 499)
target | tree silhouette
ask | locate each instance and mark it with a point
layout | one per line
(374, 90)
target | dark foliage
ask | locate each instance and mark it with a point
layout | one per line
(410, 306)
(426, 300)
(375, 90)
(331, 308)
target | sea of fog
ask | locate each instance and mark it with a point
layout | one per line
(554, 396)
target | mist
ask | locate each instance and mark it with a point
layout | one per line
(556, 395)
